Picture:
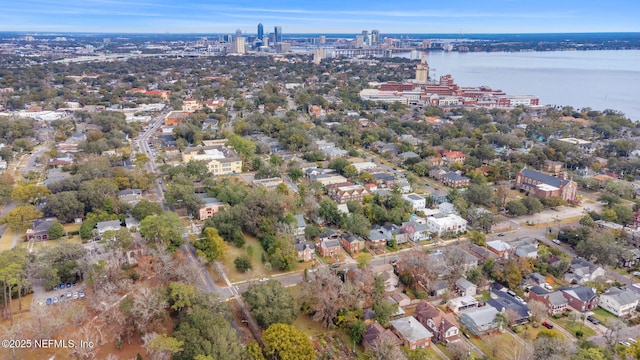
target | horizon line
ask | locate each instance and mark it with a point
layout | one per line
(315, 33)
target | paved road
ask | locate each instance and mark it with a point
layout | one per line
(203, 277)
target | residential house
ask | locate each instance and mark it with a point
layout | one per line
(415, 231)
(210, 207)
(449, 224)
(104, 226)
(582, 271)
(387, 273)
(40, 229)
(408, 155)
(480, 321)
(418, 203)
(619, 302)
(401, 299)
(330, 234)
(131, 223)
(306, 249)
(389, 232)
(344, 192)
(447, 208)
(500, 248)
(466, 287)
(462, 303)
(526, 247)
(503, 302)
(353, 244)
(329, 248)
(301, 225)
(412, 333)
(453, 157)
(374, 333)
(581, 298)
(443, 325)
(454, 180)
(545, 186)
(555, 302)
(384, 180)
(553, 166)
(376, 239)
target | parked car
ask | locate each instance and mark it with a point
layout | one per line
(593, 320)
(48, 302)
(633, 340)
(68, 294)
(81, 293)
(335, 266)
(501, 234)
(55, 288)
(55, 300)
(556, 241)
(625, 343)
(68, 285)
(636, 273)
(75, 295)
(547, 325)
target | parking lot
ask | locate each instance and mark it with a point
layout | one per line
(62, 292)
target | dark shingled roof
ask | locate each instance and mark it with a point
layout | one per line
(544, 178)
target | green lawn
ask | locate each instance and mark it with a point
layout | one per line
(496, 346)
(232, 252)
(602, 315)
(573, 326)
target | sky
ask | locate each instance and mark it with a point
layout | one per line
(321, 16)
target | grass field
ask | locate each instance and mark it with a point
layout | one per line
(7, 239)
(499, 346)
(602, 315)
(573, 326)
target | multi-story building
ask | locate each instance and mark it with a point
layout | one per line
(346, 191)
(619, 302)
(417, 202)
(443, 325)
(555, 302)
(546, 186)
(447, 224)
(277, 30)
(220, 160)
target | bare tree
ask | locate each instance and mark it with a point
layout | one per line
(416, 264)
(148, 305)
(321, 296)
(615, 331)
(538, 310)
(552, 348)
(459, 350)
(384, 349)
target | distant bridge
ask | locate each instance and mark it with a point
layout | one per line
(369, 52)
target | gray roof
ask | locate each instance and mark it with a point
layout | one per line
(584, 293)
(454, 177)
(556, 298)
(539, 290)
(464, 283)
(330, 243)
(300, 220)
(544, 178)
(111, 223)
(411, 329)
(505, 301)
(481, 316)
(622, 297)
(408, 155)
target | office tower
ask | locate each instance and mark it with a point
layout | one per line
(227, 38)
(265, 40)
(323, 39)
(422, 70)
(365, 37)
(239, 45)
(260, 31)
(375, 37)
(359, 41)
(238, 33)
(278, 34)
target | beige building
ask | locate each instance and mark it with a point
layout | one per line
(220, 160)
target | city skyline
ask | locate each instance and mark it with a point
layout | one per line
(199, 16)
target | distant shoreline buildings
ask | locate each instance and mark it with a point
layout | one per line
(442, 93)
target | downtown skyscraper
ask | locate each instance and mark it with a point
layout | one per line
(260, 31)
(278, 34)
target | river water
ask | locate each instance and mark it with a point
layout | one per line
(607, 79)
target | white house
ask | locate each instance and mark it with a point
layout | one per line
(104, 226)
(619, 302)
(450, 223)
(418, 203)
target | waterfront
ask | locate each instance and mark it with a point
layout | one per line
(608, 79)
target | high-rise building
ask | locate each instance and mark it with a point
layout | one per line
(227, 38)
(278, 34)
(375, 37)
(238, 33)
(365, 37)
(422, 70)
(239, 45)
(260, 31)
(322, 39)
(359, 41)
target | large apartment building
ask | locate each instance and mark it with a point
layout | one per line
(220, 159)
